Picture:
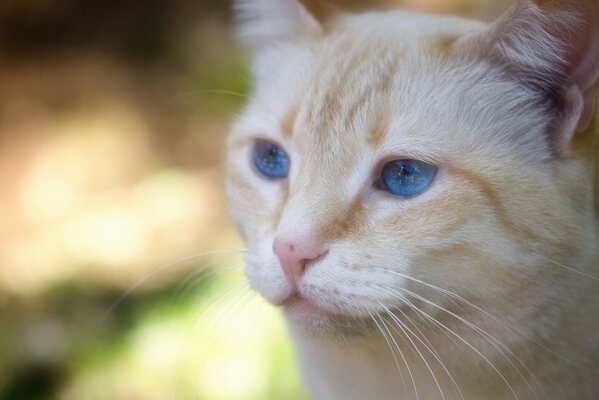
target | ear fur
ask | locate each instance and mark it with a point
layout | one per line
(263, 22)
(551, 48)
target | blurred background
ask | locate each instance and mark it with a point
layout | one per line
(119, 272)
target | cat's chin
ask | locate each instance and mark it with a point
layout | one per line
(309, 317)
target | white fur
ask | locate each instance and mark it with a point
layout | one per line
(522, 318)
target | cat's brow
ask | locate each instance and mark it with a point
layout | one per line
(289, 119)
(380, 129)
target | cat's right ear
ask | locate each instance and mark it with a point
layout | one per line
(261, 23)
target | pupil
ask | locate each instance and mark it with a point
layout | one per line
(406, 170)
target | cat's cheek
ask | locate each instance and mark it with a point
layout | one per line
(237, 220)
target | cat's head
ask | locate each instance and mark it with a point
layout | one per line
(385, 158)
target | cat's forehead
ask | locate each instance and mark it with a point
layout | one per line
(346, 96)
(358, 80)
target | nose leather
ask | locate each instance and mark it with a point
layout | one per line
(295, 254)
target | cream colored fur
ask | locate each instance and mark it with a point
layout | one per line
(492, 274)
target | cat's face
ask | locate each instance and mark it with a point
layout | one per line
(378, 160)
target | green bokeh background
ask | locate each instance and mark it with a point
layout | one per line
(120, 274)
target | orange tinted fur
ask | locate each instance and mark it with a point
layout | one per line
(484, 285)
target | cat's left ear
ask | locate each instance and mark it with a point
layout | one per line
(262, 23)
(552, 48)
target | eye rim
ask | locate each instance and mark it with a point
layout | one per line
(254, 160)
(381, 185)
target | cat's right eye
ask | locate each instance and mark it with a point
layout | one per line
(270, 159)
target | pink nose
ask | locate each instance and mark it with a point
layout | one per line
(295, 255)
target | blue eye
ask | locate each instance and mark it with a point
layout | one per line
(407, 178)
(271, 160)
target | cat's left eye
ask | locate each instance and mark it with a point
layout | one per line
(270, 159)
(407, 178)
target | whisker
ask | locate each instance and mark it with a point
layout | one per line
(490, 338)
(496, 343)
(567, 268)
(402, 356)
(235, 297)
(435, 353)
(434, 326)
(215, 303)
(480, 354)
(488, 314)
(403, 382)
(429, 325)
(217, 91)
(159, 270)
(202, 274)
(400, 325)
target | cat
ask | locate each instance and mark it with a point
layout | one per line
(419, 195)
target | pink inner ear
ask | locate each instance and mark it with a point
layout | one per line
(582, 58)
(574, 105)
(586, 77)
